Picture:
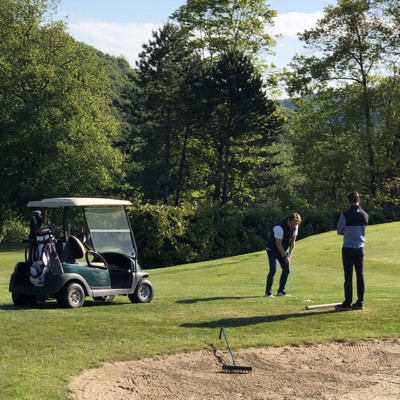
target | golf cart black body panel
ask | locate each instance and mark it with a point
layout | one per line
(20, 283)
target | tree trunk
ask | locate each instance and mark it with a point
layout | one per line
(181, 168)
(226, 169)
(219, 174)
(167, 162)
(369, 131)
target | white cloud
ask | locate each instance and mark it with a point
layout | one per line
(127, 39)
(111, 38)
(289, 24)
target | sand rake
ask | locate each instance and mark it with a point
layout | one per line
(235, 368)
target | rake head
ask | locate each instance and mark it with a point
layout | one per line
(235, 368)
(238, 369)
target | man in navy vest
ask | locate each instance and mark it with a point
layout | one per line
(280, 245)
(352, 225)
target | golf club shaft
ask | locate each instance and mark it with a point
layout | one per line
(291, 280)
(322, 306)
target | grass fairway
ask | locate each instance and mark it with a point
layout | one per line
(42, 348)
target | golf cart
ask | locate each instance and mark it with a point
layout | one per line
(93, 254)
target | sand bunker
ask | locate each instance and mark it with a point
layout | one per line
(360, 371)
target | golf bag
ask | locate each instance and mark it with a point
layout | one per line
(42, 253)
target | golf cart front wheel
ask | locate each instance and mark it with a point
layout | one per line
(71, 296)
(144, 293)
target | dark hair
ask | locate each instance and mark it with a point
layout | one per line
(294, 217)
(353, 197)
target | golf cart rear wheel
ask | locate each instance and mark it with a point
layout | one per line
(24, 300)
(71, 296)
(144, 293)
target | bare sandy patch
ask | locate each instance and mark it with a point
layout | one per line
(338, 371)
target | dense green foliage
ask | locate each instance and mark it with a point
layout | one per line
(208, 127)
(179, 127)
(192, 123)
(56, 128)
(216, 25)
(349, 133)
(44, 348)
(167, 116)
(169, 235)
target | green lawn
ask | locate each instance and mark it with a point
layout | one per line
(42, 348)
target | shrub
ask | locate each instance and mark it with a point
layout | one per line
(177, 235)
(14, 229)
(317, 221)
(159, 231)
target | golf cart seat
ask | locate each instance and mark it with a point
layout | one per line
(75, 250)
(119, 262)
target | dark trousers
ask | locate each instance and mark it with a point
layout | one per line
(353, 258)
(274, 258)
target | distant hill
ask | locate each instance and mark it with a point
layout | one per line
(286, 103)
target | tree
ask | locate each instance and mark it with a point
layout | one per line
(243, 124)
(232, 34)
(168, 78)
(386, 102)
(391, 16)
(55, 122)
(324, 132)
(123, 88)
(351, 45)
(207, 128)
(221, 25)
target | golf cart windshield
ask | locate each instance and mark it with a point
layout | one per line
(110, 230)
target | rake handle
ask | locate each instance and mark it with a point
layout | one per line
(222, 331)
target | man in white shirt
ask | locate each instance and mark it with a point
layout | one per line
(280, 245)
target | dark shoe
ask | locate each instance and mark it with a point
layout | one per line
(343, 307)
(358, 305)
(281, 293)
(268, 294)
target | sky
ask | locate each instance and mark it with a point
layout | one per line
(121, 27)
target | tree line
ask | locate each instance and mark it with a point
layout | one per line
(193, 121)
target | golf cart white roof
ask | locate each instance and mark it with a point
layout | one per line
(77, 202)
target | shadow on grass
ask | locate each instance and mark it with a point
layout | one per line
(51, 305)
(235, 322)
(192, 301)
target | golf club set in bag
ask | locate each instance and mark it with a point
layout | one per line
(42, 255)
